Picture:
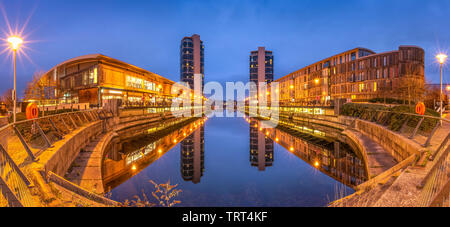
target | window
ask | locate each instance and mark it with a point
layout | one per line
(134, 82)
(93, 75)
(149, 85)
(85, 76)
(361, 87)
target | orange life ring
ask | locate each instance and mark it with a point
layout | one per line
(32, 111)
(420, 108)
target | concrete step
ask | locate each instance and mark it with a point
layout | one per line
(379, 159)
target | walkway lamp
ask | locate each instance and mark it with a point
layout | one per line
(15, 43)
(441, 58)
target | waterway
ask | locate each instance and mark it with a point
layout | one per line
(232, 162)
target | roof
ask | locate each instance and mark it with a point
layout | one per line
(354, 49)
(102, 57)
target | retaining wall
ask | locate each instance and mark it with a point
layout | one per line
(68, 149)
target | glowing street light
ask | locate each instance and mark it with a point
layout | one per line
(441, 58)
(15, 43)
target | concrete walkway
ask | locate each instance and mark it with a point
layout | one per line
(86, 170)
(379, 160)
(405, 191)
(403, 188)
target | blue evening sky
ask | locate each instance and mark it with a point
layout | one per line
(147, 33)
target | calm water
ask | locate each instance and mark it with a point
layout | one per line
(230, 162)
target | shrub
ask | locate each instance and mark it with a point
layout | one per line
(393, 120)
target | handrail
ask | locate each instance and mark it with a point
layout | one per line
(14, 182)
(55, 115)
(416, 115)
(436, 183)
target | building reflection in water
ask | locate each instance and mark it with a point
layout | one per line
(332, 157)
(261, 147)
(192, 153)
(125, 159)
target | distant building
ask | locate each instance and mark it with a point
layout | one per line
(261, 66)
(358, 75)
(192, 60)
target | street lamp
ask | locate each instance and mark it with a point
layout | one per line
(15, 44)
(441, 58)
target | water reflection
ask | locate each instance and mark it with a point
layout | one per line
(330, 156)
(193, 156)
(301, 165)
(261, 148)
(125, 159)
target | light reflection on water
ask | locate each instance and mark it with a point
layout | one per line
(229, 162)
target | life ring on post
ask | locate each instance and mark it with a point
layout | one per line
(420, 108)
(32, 111)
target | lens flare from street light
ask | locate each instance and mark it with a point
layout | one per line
(14, 38)
(441, 58)
(15, 42)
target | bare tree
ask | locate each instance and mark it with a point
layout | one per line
(7, 99)
(432, 95)
(412, 84)
(40, 89)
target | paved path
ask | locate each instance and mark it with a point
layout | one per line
(86, 170)
(379, 160)
(402, 190)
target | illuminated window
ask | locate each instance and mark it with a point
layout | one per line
(134, 82)
(361, 87)
(93, 76)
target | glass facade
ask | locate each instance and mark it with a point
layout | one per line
(187, 61)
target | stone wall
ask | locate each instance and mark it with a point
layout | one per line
(397, 145)
(68, 149)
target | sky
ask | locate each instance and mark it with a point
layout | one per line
(147, 33)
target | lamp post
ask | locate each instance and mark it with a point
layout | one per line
(15, 43)
(441, 58)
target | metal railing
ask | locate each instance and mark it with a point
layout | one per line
(40, 134)
(408, 124)
(13, 183)
(436, 184)
(25, 140)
